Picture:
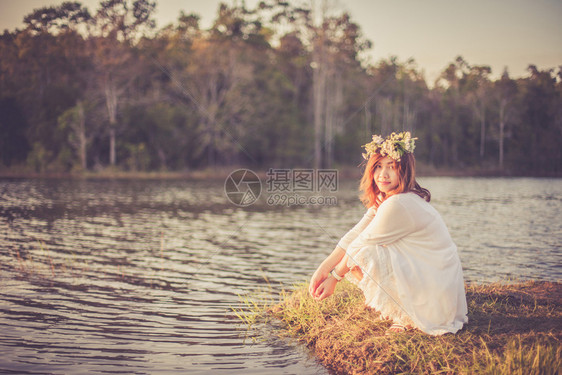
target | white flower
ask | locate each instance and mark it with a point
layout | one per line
(393, 146)
(378, 139)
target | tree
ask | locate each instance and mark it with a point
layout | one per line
(55, 19)
(537, 139)
(119, 23)
(44, 62)
(478, 86)
(73, 122)
(280, 84)
(13, 143)
(336, 43)
(506, 91)
(454, 129)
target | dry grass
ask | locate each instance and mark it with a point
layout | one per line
(512, 329)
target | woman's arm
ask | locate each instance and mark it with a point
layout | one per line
(327, 287)
(394, 221)
(337, 254)
(357, 229)
(324, 269)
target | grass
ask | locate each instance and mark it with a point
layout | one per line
(512, 329)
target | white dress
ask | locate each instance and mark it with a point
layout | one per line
(411, 269)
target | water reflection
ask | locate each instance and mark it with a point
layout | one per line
(139, 276)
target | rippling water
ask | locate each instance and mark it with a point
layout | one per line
(141, 276)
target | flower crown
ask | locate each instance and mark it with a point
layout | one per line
(394, 146)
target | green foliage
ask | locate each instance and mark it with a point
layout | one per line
(243, 92)
(39, 158)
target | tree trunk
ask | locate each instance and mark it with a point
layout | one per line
(319, 90)
(334, 99)
(502, 127)
(111, 103)
(329, 127)
(82, 135)
(319, 87)
(214, 102)
(385, 110)
(112, 157)
(368, 121)
(212, 144)
(482, 130)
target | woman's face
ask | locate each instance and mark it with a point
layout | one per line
(386, 175)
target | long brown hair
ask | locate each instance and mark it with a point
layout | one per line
(406, 168)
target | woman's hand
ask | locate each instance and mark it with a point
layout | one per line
(324, 269)
(326, 289)
(319, 276)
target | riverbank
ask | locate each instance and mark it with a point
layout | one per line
(219, 173)
(512, 329)
(345, 172)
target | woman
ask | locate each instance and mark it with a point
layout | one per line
(400, 254)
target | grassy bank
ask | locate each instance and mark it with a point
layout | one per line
(219, 173)
(512, 329)
(345, 172)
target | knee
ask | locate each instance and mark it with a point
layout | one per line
(357, 273)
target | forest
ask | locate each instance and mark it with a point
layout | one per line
(275, 86)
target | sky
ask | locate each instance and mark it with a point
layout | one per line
(499, 33)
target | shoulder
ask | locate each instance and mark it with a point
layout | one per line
(399, 210)
(410, 208)
(394, 202)
(403, 202)
(404, 199)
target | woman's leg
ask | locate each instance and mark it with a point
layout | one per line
(357, 273)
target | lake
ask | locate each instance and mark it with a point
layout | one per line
(140, 276)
